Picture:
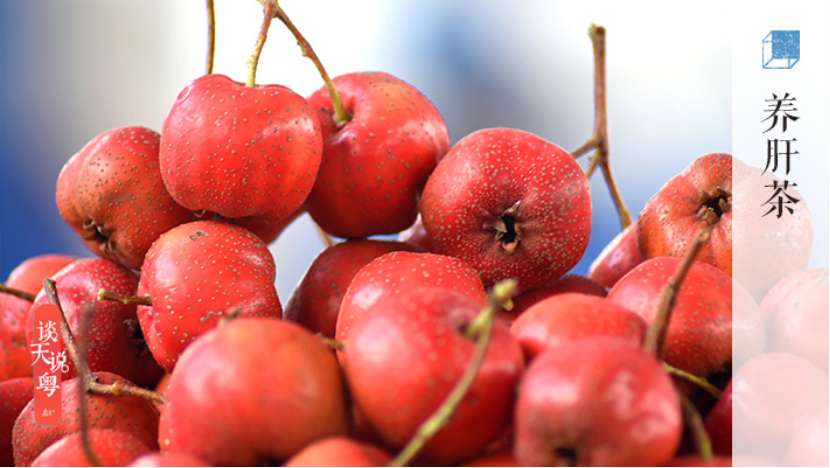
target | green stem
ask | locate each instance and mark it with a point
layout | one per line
(270, 10)
(699, 381)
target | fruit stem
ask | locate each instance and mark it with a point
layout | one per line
(599, 139)
(211, 52)
(69, 342)
(655, 341)
(480, 329)
(699, 381)
(26, 296)
(324, 236)
(703, 444)
(341, 117)
(119, 388)
(336, 345)
(104, 295)
(86, 314)
(270, 9)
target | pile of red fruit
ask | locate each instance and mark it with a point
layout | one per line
(394, 352)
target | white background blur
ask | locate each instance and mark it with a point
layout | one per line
(73, 69)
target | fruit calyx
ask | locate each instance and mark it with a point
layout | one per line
(567, 456)
(508, 232)
(100, 234)
(713, 206)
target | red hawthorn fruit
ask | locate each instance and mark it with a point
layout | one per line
(773, 395)
(114, 340)
(281, 389)
(809, 445)
(15, 355)
(397, 273)
(375, 165)
(571, 316)
(409, 351)
(566, 284)
(14, 395)
(766, 248)
(195, 274)
(797, 311)
(315, 302)
(340, 451)
(240, 151)
(596, 402)
(158, 459)
(699, 337)
(619, 257)
(510, 204)
(132, 415)
(111, 448)
(111, 194)
(718, 423)
(417, 235)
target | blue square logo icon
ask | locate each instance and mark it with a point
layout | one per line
(782, 49)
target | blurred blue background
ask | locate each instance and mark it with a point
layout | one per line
(70, 70)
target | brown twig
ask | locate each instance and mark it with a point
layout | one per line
(699, 381)
(341, 117)
(119, 388)
(69, 342)
(268, 15)
(26, 296)
(104, 295)
(211, 52)
(480, 330)
(86, 314)
(598, 141)
(655, 340)
(703, 444)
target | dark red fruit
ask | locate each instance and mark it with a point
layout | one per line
(240, 151)
(375, 165)
(114, 342)
(340, 451)
(112, 195)
(15, 355)
(316, 301)
(280, 389)
(132, 415)
(15, 394)
(196, 274)
(570, 316)
(596, 402)
(510, 204)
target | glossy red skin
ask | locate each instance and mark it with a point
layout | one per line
(315, 302)
(154, 459)
(487, 173)
(112, 448)
(281, 389)
(767, 248)
(671, 218)
(397, 273)
(113, 185)
(375, 166)
(570, 316)
(132, 415)
(719, 423)
(566, 284)
(197, 272)
(809, 444)
(619, 257)
(772, 396)
(15, 394)
(699, 337)
(240, 151)
(797, 308)
(501, 458)
(340, 451)
(609, 402)
(15, 355)
(113, 342)
(409, 351)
